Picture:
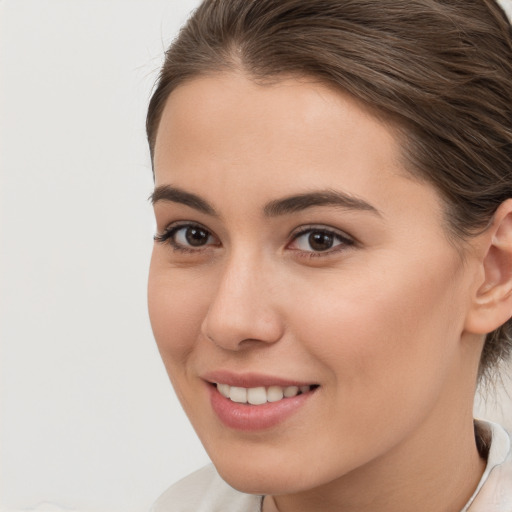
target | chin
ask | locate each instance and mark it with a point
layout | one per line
(271, 474)
(262, 481)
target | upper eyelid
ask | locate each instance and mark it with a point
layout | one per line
(296, 231)
(175, 225)
(301, 230)
(171, 228)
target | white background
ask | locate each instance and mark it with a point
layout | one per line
(88, 419)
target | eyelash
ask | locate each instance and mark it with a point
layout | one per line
(344, 239)
(167, 237)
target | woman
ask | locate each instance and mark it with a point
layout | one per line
(331, 270)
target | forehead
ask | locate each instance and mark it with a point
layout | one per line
(285, 138)
(220, 114)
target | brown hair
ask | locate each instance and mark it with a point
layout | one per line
(440, 70)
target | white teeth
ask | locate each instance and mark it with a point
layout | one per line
(223, 390)
(260, 395)
(238, 395)
(291, 391)
(274, 393)
(256, 396)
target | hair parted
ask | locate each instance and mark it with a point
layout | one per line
(439, 70)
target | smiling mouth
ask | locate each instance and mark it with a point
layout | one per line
(261, 395)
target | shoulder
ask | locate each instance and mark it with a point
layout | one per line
(205, 491)
(494, 493)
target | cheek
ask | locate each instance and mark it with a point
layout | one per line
(386, 343)
(177, 304)
(388, 332)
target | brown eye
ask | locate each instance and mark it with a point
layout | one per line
(188, 237)
(196, 236)
(319, 241)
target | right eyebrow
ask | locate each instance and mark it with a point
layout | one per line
(177, 195)
(327, 197)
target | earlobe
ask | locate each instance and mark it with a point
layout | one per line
(492, 303)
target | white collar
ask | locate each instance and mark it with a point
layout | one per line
(499, 452)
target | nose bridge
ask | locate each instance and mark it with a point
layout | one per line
(242, 307)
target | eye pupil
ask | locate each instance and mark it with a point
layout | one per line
(196, 236)
(320, 241)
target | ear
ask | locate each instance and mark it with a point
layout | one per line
(492, 303)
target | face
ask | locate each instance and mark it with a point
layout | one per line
(298, 267)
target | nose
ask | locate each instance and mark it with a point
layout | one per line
(243, 311)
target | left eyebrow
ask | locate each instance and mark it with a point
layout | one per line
(301, 202)
(177, 195)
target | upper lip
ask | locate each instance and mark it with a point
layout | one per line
(251, 380)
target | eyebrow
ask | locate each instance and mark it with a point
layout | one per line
(278, 207)
(301, 202)
(177, 195)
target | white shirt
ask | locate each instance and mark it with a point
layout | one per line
(205, 491)
(494, 492)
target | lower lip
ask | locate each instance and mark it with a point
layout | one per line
(249, 418)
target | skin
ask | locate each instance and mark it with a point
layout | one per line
(390, 324)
